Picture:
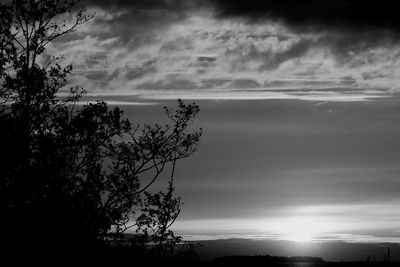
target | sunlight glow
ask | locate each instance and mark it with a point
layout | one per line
(303, 228)
(305, 224)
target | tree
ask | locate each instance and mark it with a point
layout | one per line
(73, 174)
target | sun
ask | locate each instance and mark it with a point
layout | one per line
(301, 228)
(301, 236)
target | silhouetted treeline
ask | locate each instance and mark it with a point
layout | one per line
(76, 178)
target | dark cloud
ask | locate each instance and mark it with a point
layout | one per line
(178, 44)
(140, 71)
(169, 83)
(96, 75)
(297, 13)
(94, 60)
(171, 5)
(136, 23)
(316, 13)
(273, 60)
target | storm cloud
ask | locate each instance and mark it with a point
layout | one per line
(310, 13)
(201, 49)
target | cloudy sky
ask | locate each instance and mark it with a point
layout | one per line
(299, 105)
(236, 49)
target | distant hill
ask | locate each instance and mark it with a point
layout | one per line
(236, 260)
(330, 251)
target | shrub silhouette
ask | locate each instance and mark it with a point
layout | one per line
(75, 175)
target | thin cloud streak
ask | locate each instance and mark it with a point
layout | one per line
(263, 95)
(143, 97)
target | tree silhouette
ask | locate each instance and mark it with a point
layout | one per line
(77, 175)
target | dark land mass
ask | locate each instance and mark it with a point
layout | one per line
(333, 251)
(125, 256)
(288, 262)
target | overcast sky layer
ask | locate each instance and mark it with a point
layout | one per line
(236, 49)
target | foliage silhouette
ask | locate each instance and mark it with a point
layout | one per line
(75, 175)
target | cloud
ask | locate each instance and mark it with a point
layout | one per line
(199, 51)
(306, 14)
(172, 5)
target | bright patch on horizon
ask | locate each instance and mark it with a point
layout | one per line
(359, 223)
(302, 229)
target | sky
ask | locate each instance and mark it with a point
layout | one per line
(236, 49)
(299, 105)
(290, 169)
